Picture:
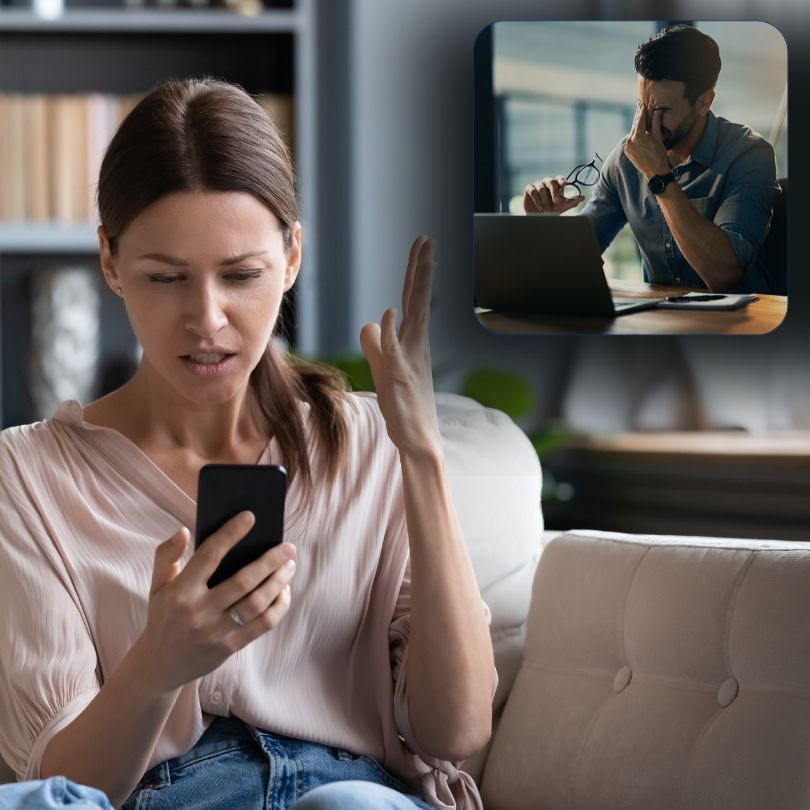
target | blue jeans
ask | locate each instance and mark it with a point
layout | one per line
(234, 765)
(45, 794)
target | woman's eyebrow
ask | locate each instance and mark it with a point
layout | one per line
(162, 257)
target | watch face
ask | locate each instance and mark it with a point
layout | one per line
(657, 185)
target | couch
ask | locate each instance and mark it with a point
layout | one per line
(635, 672)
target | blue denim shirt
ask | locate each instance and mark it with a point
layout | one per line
(730, 178)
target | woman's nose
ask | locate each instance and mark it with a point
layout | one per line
(205, 315)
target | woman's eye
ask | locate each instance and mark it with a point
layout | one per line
(245, 275)
(242, 275)
(164, 279)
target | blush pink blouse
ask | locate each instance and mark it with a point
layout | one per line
(81, 512)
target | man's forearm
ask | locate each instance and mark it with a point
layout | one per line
(450, 661)
(703, 244)
(109, 744)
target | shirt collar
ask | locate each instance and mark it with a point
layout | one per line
(703, 153)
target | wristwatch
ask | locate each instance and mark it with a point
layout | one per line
(658, 182)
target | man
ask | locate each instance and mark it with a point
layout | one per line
(696, 190)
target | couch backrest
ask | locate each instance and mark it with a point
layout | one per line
(666, 673)
(495, 478)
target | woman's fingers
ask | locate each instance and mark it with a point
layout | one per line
(415, 326)
(265, 621)
(389, 340)
(251, 576)
(380, 342)
(207, 557)
(370, 344)
(167, 558)
(410, 269)
(257, 602)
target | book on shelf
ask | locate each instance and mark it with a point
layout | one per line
(36, 185)
(51, 148)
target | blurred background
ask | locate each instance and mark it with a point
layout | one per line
(565, 90)
(378, 96)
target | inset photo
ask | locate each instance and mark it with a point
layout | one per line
(630, 177)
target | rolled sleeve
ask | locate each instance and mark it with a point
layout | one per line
(747, 205)
(398, 636)
(605, 208)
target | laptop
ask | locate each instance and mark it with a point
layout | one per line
(544, 263)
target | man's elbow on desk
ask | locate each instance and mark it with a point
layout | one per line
(723, 270)
(722, 280)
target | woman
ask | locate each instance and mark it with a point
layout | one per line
(351, 665)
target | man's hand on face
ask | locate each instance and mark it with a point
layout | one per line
(645, 146)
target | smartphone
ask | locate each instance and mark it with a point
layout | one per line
(223, 491)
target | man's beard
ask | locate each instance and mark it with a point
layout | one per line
(674, 138)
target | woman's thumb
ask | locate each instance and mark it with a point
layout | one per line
(167, 555)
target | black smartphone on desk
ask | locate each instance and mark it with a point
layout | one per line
(223, 491)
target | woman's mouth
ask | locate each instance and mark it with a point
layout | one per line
(208, 365)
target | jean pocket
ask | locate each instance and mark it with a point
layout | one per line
(154, 779)
(140, 798)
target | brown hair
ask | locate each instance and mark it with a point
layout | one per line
(206, 134)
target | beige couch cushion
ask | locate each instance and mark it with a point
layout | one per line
(494, 476)
(666, 673)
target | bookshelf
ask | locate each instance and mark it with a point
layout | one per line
(123, 52)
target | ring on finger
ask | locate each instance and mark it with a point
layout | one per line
(235, 618)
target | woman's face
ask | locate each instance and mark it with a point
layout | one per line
(203, 274)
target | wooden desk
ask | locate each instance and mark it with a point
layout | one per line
(757, 318)
(713, 483)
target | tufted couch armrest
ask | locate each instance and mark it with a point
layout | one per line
(665, 672)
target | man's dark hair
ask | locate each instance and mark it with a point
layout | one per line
(680, 53)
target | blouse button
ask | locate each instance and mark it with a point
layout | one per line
(216, 697)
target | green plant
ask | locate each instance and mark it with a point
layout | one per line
(501, 390)
(511, 393)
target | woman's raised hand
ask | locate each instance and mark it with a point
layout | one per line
(189, 630)
(400, 361)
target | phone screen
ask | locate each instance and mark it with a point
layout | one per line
(223, 491)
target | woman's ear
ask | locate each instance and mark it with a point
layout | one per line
(107, 261)
(293, 257)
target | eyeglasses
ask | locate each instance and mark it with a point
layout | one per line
(587, 174)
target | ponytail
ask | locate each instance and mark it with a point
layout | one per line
(279, 385)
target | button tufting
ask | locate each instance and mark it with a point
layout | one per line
(728, 691)
(623, 677)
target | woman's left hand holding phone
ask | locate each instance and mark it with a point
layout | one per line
(190, 630)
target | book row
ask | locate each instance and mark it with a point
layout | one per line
(51, 148)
